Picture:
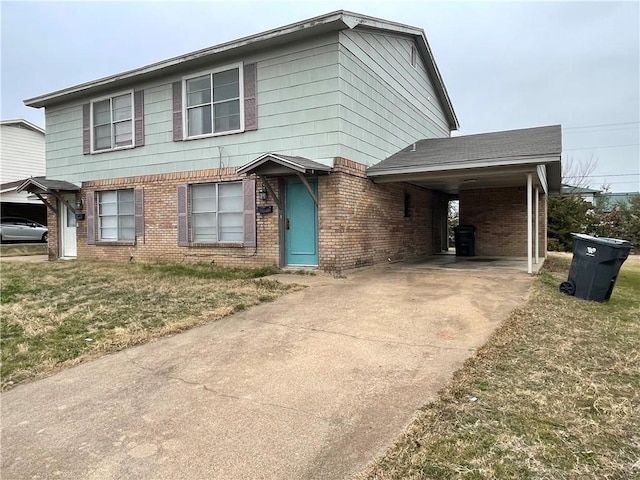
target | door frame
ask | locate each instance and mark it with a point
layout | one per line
(62, 226)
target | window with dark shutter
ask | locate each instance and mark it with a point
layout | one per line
(183, 214)
(249, 190)
(250, 105)
(177, 111)
(221, 101)
(138, 107)
(86, 129)
(139, 213)
(89, 203)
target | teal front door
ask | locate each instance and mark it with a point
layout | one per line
(301, 224)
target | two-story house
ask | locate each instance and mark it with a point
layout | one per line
(269, 150)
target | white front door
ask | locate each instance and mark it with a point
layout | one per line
(67, 230)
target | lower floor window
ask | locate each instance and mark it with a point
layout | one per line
(116, 215)
(217, 212)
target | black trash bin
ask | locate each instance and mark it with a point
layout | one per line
(465, 236)
(595, 266)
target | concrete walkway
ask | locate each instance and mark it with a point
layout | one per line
(313, 385)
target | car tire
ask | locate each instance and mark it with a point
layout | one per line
(45, 237)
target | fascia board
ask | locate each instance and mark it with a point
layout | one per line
(463, 165)
(335, 18)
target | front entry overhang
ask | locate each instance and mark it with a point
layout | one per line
(41, 186)
(277, 165)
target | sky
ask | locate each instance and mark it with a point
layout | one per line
(506, 65)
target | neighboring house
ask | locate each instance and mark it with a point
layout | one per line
(615, 200)
(587, 194)
(262, 151)
(21, 155)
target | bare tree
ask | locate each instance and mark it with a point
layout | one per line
(577, 172)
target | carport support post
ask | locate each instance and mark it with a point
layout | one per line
(537, 227)
(529, 242)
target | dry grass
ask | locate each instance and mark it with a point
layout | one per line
(8, 250)
(555, 394)
(58, 314)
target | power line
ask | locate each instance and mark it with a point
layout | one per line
(601, 125)
(605, 146)
(603, 175)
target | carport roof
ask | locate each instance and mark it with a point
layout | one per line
(500, 152)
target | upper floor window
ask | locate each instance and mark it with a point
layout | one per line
(112, 122)
(214, 103)
(116, 215)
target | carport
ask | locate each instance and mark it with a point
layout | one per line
(502, 180)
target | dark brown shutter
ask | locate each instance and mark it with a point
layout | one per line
(86, 129)
(138, 112)
(90, 207)
(250, 105)
(139, 212)
(183, 225)
(177, 111)
(249, 190)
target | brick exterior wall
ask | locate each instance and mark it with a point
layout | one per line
(160, 241)
(52, 225)
(500, 218)
(362, 223)
(359, 222)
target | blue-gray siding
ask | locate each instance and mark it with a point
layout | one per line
(342, 94)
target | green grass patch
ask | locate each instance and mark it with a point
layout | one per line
(209, 271)
(57, 314)
(554, 394)
(9, 250)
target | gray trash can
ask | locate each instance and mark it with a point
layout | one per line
(595, 266)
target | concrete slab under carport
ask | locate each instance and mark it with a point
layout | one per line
(313, 385)
(475, 263)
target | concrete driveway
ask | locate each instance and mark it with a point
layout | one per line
(313, 385)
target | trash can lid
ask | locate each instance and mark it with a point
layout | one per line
(611, 242)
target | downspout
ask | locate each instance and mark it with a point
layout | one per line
(537, 226)
(529, 240)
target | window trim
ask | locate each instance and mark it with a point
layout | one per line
(133, 122)
(99, 216)
(224, 68)
(190, 226)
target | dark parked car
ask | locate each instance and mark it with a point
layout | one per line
(22, 230)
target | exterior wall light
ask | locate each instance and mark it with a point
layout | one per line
(263, 193)
(79, 204)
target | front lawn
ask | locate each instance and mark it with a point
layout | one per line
(57, 314)
(555, 394)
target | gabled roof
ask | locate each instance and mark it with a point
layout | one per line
(334, 21)
(274, 164)
(24, 124)
(44, 185)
